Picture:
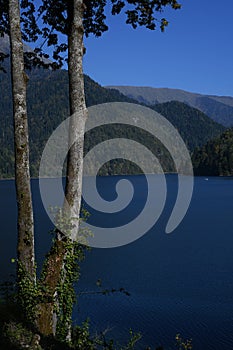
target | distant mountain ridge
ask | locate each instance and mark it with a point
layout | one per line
(218, 108)
(5, 45)
(48, 106)
(193, 125)
(5, 48)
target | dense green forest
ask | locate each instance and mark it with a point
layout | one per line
(48, 105)
(193, 125)
(215, 157)
(218, 108)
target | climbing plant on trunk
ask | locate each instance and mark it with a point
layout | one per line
(25, 248)
(72, 19)
(64, 252)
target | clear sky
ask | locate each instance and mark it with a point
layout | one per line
(195, 53)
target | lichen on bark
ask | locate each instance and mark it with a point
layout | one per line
(25, 222)
(55, 282)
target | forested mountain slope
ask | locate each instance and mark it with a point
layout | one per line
(48, 105)
(215, 157)
(218, 108)
(193, 125)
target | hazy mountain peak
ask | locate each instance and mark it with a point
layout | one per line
(5, 48)
(5, 45)
(218, 108)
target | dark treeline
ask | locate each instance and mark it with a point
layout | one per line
(195, 127)
(48, 106)
(215, 157)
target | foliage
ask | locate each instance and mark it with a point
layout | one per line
(215, 158)
(81, 338)
(194, 126)
(18, 334)
(56, 17)
(121, 166)
(65, 289)
(45, 114)
(21, 337)
(27, 293)
(183, 344)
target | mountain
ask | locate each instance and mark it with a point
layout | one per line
(215, 157)
(193, 125)
(5, 49)
(5, 45)
(218, 108)
(48, 106)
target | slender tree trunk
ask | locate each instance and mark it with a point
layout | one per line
(54, 269)
(25, 249)
(78, 114)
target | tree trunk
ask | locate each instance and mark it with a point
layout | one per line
(25, 249)
(78, 114)
(54, 269)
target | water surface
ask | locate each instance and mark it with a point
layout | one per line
(179, 283)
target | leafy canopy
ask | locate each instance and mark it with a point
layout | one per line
(138, 13)
(51, 18)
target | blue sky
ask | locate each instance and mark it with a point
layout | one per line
(195, 53)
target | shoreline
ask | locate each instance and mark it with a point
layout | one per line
(204, 176)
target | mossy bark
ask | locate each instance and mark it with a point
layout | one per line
(46, 320)
(53, 272)
(25, 249)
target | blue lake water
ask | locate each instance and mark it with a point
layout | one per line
(179, 283)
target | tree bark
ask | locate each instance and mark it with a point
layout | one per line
(47, 314)
(25, 248)
(78, 114)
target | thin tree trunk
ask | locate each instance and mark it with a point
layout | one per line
(25, 249)
(47, 315)
(78, 114)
